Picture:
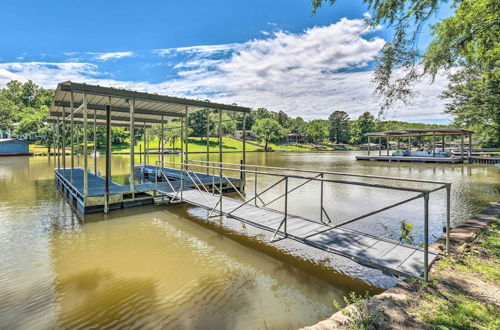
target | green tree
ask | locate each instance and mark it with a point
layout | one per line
(339, 126)
(469, 39)
(268, 130)
(283, 119)
(298, 125)
(317, 131)
(173, 132)
(475, 103)
(364, 124)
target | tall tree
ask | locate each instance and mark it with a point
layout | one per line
(317, 131)
(364, 124)
(339, 126)
(268, 130)
(469, 38)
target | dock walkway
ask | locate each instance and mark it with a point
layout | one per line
(390, 256)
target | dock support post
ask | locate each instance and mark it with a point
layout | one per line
(186, 155)
(63, 140)
(145, 144)
(208, 141)
(426, 237)
(369, 146)
(469, 154)
(462, 147)
(54, 143)
(85, 173)
(162, 142)
(442, 143)
(380, 146)
(409, 143)
(72, 109)
(220, 159)
(95, 142)
(132, 142)
(388, 145)
(58, 144)
(244, 158)
(182, 157)
(108, 156)
(433, 144)
(448, 224)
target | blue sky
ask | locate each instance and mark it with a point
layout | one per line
(270, 53)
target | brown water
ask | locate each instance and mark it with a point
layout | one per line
(155, 267)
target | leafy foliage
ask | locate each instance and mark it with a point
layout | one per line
(339, 127)
(317, 131)
(268, 130)
(364, 124)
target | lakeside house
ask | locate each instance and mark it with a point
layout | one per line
(295, 138)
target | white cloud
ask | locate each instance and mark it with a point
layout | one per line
(306, 74)
(111, 55)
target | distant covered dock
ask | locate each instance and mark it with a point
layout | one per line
(431, 145)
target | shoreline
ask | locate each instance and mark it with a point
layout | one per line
(460, 236)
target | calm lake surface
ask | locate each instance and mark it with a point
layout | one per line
(155, 267)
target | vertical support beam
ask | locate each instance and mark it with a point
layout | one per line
(85, 173)
(208, 140)
(433, 144)
(95, 142)
(78, 145)
(162, 141)
(132, 142)
(108, 156)
(186, 136)
(63, 139)
(182, 157)
(145, 144)
(399, 143)
(54, 147)
(244, 158)
(58, 144)
(380, 146)
(72, 109)
(388, 146)
(409, 143)
(220, 159)
(369, 146)
(426, 237)
(442, 142)
(470, 145)
(448, 222)
(462, 147)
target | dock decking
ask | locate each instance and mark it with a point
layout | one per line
(443, 160)
(390, 256)
(122, 196)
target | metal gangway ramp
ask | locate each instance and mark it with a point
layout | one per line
(390, 256)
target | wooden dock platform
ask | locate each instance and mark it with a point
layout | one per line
(442, 160)
(390, 256)
(121, 196)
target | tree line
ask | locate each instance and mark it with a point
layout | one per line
(24, 108)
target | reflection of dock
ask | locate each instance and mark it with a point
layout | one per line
(443, 160)
(390, 256)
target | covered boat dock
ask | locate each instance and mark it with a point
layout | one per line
(432, 145)
(90, 106)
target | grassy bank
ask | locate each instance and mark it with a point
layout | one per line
(463, 293)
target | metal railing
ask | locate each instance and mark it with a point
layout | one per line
(317, 176)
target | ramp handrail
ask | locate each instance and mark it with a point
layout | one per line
(320, 177)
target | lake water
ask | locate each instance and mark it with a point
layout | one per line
(156, 267)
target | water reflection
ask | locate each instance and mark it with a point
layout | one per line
(154, 267)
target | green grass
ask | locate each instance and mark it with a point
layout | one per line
(460, 312)
(197, 144)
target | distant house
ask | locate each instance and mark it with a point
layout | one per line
(295, 138)
(250, 136)
(13, 147)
